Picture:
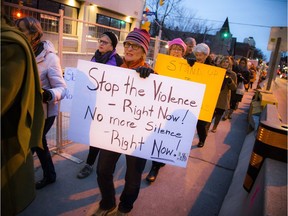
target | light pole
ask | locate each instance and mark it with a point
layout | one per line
(157, 41)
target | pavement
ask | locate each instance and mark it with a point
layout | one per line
(198, 189)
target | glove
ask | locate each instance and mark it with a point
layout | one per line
(191, 61)
(144, 71)
(46, 95)
(228, 79)
(240, 78)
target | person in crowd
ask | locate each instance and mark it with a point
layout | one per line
(190, 44)
(233, 98)
(201, 52)
(213, 56)
(136, 47)
(217, 59)
(229, 83)
(53, 86)
(262, 77)
(253, 75)
(177, 48)
(105, 54)
(22, 118)
(235, 66)
(243, 75)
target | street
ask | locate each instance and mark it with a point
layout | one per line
(198, 189)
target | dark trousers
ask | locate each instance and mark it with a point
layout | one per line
(44, 154)
(92, 155)
(157, 164)
(217, 117)
(233, 100)
(202, 130)
(105, 169)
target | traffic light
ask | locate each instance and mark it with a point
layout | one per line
(225, 35)
(146, 26)
(162, 2)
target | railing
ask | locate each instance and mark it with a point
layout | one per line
(74, 29)
(72, 36)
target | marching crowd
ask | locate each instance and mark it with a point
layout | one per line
(32, 85)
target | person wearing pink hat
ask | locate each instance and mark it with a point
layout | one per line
(177, 48)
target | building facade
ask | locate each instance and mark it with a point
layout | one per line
(74, 26)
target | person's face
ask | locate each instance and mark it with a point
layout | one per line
(176, 51)
(225, 64)
(105, 44)
(190, 47)
(133, 51)
(212, 55)
(24, 30)
(200, 57)
(242, 64)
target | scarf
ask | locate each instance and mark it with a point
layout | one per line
(98, 57)
(134, 65)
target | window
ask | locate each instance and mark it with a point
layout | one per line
(109, 21)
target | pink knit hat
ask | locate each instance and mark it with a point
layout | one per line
(139, 36)
(177, 41)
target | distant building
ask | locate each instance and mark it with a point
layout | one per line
(222, 43)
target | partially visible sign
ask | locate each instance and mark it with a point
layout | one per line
(200, 73)
(149, 13)
(153, 118)
(70, 78)
(278, 32)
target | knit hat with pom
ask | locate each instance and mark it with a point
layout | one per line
(139, 36)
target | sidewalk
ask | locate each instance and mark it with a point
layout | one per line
(198, 189)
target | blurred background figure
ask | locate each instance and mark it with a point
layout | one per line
(190, 44)
(229, 84)
(253, 75)
(22, 119)
(243, 75)
(54, 89)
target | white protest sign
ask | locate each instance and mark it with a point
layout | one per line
(70, 78)
(153, 118)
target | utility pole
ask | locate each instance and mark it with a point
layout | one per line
(273, 63)
(157, 42)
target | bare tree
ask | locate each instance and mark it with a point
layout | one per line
(172, 15)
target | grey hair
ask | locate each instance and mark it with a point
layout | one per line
(190, 40)
(202, 47)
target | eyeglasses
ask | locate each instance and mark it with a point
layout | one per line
(103, 42)
(133, 46)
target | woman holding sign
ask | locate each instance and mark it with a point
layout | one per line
(177, 48)
(135, 49)
(105, 54)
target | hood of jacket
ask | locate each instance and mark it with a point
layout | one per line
(48, 48)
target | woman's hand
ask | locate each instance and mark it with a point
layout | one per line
(144, 71)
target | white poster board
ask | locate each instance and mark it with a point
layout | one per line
(70, 78)
(153, 118)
